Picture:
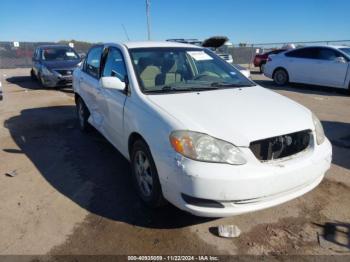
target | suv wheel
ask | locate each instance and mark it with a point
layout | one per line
(281, 77)
(83, 115)
(145, 175)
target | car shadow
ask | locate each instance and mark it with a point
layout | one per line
(337, 233)
(303, 88)
(86, 168)
(339, 135)
(28, 83)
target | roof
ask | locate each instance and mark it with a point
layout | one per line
(332, 46)
(148, 44)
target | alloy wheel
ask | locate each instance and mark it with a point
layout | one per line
(143, 173)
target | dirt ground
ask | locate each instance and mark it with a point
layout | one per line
(72, 192)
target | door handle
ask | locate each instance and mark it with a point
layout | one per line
(81, 79)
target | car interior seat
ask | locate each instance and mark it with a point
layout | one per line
(148, 71)
(169, 73)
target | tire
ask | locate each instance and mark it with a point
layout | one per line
(32, 75)
(280, 77)
(83, 115)
(262, 67)
(145, 175)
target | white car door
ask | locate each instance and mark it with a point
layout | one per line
(112, 100)
(89, 85)
(300, 65)
(331, 68)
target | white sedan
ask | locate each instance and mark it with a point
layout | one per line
(196, 131)
(315, 65)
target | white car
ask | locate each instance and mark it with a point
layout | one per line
(315, 65)
(196, 131)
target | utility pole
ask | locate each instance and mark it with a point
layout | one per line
(148, 19)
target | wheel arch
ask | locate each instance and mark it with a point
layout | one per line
(133, 137)
(277, 68)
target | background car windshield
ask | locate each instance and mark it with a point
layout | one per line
(160, 69)
(59, 54)
(346, 50)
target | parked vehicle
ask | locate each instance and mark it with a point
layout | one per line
(1, 97)
(196, 131)
(316, 65)
(53, 65)
(261, 59)
(219, 45)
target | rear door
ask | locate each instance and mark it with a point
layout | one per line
(112, 101)
(89, 84)
(300, 65)
(331, 71)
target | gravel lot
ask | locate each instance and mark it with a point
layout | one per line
(73, 193)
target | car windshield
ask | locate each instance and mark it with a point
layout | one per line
(59, 54)
(346, 50)
(164, 70)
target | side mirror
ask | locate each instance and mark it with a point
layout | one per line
(340, 59)
(112, 82)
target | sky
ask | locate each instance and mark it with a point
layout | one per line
(243, 21)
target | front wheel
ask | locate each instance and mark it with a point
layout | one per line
(281, 77)
(83, 115)
(145, 175)
(32, 75)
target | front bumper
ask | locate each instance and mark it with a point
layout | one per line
(56, 80)
(246, 188)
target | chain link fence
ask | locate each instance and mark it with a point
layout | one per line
(246, 54)
(19, 54)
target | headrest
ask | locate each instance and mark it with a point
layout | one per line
(168, 65)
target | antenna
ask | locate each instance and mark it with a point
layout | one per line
(148, 3)
(126, 32)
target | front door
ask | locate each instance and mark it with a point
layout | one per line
(112, 106)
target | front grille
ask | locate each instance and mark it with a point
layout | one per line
(281, 146)
(64, 72)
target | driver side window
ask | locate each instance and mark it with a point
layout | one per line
(114, 65)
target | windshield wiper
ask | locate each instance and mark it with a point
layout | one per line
(172, 89)
(227, 84)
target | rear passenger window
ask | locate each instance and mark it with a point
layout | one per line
(309, 53)
(93, 59)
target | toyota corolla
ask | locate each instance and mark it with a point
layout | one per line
(197, 132)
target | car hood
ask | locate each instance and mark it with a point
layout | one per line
(67, 64)
(239, 115)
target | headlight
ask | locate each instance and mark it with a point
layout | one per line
(202, 147)
(46, 71)
(320, 136)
